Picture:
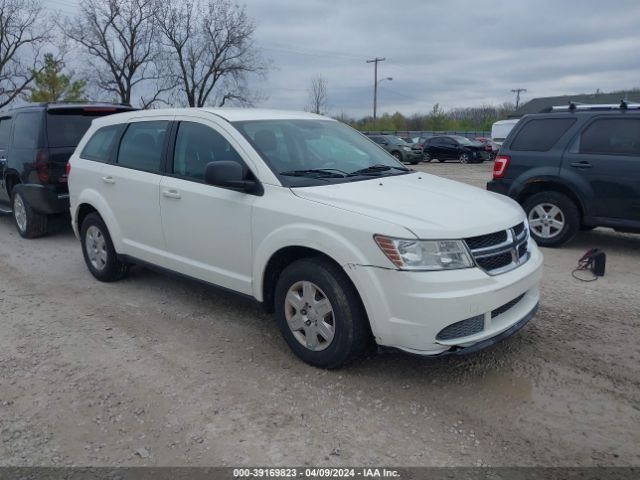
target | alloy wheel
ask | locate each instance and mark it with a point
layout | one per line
(546, 220)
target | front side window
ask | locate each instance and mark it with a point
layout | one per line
(317, 152)
(196, 146)
(541, 135)
(142, 144)
(612, 136)
(98, 148)
(26, 130)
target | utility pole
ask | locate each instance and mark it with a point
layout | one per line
(375, 85)
(517, 92)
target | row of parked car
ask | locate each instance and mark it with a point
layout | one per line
(437, 147)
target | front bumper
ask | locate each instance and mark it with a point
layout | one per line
(44, 198)
(407, 310)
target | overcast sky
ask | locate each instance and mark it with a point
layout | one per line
(457, 53)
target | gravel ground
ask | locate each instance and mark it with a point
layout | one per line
(158, 370)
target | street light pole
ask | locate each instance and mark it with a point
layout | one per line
(375, 84)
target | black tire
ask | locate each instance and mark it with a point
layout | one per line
(113, 269)
(352, 334)
(426, 157)
(570, 215)
(34, 224)
(397, 154)
(465, 157)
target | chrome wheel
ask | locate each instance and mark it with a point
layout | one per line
(96, 247)
(464, 158)
(546, 220)
(310, 316)
(20, 212)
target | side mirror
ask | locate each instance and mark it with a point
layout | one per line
(229, 174)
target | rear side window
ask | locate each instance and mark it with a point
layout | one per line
(611, 136)
(5, 130)
(142, 144)
(98, 148)
(25, 130)
(540, 135)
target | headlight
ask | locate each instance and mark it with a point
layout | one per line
(406, 149)
(425, 254)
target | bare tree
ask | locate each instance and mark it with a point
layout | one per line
(318, 97)
(211, 49)
(120, 39)
(22, 34)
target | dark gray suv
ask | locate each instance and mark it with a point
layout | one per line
(576, 167)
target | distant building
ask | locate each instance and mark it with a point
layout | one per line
(544, 104)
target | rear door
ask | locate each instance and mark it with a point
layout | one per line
(131, 187)
(5, 131)
(606, 154)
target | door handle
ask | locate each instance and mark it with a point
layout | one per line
(582, 164)
(171, 194)
(108, 180)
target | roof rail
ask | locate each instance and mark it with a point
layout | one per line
(572, 107)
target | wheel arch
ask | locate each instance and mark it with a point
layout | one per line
(90, 201)
(539, 186)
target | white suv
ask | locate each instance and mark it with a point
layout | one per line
(313, 220)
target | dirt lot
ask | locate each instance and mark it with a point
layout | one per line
(157, 370)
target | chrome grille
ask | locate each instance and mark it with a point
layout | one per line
(499, 252)
(461, 329)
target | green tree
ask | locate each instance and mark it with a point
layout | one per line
(51, 85)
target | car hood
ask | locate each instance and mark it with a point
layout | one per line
(428, 206)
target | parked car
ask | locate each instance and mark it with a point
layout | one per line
(489, 145)
(310, 218)
(400, 149)
(573, 169)
(454, 147)
(408, 140)
(36, 141)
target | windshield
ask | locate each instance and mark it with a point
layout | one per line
(395, 140)
(463, 140)
(317, 152)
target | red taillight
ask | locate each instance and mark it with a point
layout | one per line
(500, 166)
(67, 169)
(42, 166)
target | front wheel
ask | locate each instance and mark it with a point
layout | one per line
(554, 218)
(30, 224)
(426, 157)
(99, 255)
(319, 313)
(398, 155)
(464, 158)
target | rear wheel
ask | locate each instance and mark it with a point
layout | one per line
(553, 218)
(30, 224)
(99, 255)
(319, 313)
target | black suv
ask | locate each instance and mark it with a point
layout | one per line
(36, 141)
(454, 147)
(576, 167)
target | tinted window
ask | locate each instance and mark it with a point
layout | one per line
(66, 126)
(613, 136)
(25, 130)
(541, 135)
(142, 144)
(196, 146)
(5, 129)
(98, 148)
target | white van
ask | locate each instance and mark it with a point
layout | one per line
(313, 220)
(501, 129)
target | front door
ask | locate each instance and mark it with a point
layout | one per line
(607, 157)
(207, 229)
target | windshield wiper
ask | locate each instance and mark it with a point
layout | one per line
(315, 172)
(377, 169)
